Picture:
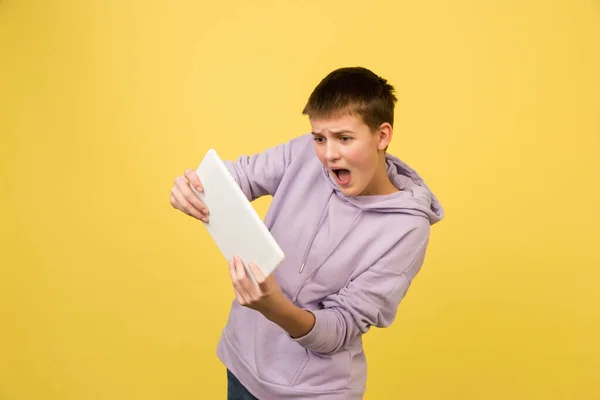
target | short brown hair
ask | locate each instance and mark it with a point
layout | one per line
(354, 90)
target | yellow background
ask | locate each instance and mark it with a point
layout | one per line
(106, 292)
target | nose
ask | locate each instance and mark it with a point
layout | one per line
(331, 153)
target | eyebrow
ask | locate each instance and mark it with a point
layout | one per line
(335, 132)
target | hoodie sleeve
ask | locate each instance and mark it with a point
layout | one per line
(260, 174)
(370, 299)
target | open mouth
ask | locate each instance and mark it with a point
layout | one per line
(342, 176)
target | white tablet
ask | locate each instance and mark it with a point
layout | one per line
(233, 223)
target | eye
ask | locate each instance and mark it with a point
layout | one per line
(345, 139)
(319, 139)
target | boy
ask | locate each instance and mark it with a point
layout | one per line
(354, 224)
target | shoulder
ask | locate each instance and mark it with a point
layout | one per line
(415, 229)
(301, 144)
(405, 234)
(299, 152)
(289, 151)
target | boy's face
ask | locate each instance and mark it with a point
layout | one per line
(353, 153)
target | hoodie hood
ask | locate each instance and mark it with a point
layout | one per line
(413, 197)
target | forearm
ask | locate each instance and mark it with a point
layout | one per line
(296, 321)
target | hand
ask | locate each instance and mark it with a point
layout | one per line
(264, 296)
(184, 199)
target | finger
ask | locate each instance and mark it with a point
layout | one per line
(232, 271)
(237, 287)
(257, 272)
(194, 179)
(184, 205)
(183, 185)
(239, 297)
(174, 202)
(243, 278)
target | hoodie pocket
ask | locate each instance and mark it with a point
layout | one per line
(325, 372)
(265, 347)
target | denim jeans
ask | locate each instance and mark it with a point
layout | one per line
(235, 389)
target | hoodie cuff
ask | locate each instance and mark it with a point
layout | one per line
(316, 339)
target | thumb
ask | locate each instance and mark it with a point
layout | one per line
(258, 274)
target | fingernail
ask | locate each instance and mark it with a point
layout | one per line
(205, 219)
(205, 211)
(200, 189)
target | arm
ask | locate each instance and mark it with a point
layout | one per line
(371, 299)
(296, 321)
(260, 174)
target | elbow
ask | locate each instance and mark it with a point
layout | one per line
(330, 348)
(338, 334)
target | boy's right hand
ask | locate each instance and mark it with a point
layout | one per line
(184, 199)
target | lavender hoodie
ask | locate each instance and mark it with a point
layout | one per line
(349, 260)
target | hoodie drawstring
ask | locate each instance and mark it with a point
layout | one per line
(314, 235)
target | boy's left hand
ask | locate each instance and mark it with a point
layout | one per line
(264, 296)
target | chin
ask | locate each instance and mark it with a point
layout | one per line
(350, 192)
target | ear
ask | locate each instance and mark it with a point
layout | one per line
(384, 135)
